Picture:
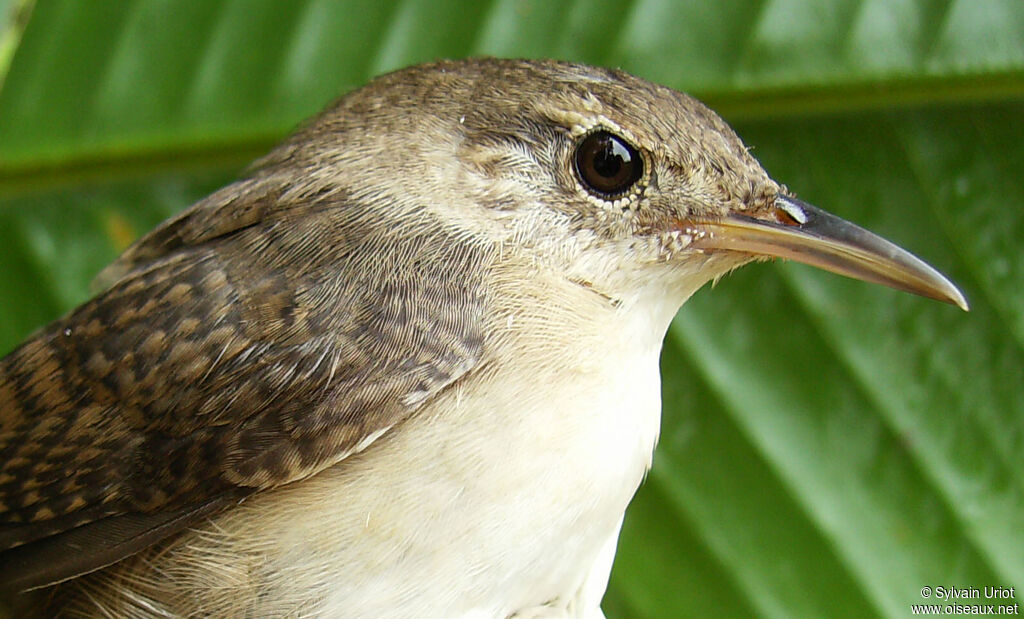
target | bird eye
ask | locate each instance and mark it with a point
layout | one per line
(607, 165)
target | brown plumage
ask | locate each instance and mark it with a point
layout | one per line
(250, 342)
(461, 272)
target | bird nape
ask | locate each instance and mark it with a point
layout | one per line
(407, 367)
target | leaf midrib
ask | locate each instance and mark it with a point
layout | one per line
(143, 157)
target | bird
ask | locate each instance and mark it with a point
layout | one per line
(406, 366)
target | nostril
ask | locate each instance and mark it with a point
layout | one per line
(789, 214)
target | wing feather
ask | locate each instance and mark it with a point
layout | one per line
(232, 353)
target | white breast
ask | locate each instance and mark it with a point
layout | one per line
(508, 492)
(498, 496)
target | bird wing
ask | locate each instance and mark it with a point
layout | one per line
(249, 343)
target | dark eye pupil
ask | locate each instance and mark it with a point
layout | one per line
(607, 165)
(610, 161)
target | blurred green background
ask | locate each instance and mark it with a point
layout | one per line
(829, 447)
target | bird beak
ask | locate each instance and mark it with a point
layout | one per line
(810, 235)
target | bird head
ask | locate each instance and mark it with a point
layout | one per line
(610, 179)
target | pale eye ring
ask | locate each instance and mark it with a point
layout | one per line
(607, 165)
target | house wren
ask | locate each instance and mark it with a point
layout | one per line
(407, 368)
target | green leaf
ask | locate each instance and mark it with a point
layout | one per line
(829, 447)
